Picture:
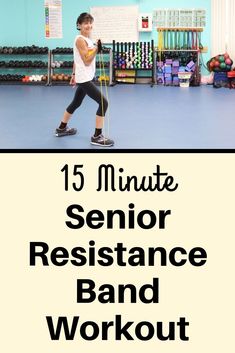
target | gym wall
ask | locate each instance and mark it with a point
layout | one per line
(22, 22)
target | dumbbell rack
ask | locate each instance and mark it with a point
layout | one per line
(60, 53)
(122, 48)
(58, 71)
(23, 59)
(104, 67)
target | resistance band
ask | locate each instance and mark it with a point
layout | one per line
(160, 44)
(103, 76)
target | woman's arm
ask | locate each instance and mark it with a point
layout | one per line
(86, 54)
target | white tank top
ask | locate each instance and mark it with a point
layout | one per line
(83, 73)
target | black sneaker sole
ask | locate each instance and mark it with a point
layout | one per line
(65, 134)
(99, 144)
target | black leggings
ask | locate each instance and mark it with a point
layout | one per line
(90, 89)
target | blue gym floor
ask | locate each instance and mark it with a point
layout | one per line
(141, 117)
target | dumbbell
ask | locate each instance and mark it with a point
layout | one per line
(38, 64)
(27, 50)
(44, 78)
(11, 63)
(55, 64)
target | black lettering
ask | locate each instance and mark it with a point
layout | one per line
(105, 327)
(59, 253)
(75, 216)
(95, 216)
(163, 257)
(106, 172)
(202, 256)
(123, 330)
(162, 218)
(84, 334)
(82, 259)
(139, 334)
(170, 336)
(62, 322)
(41, 254)
(122, 290)
(120, 249)
(110, 216)
(137, 259)
(152, 221)
(172, 256)
(154, 291)
(110, 294)
(102, 253)
(182, 324)
(81, 290)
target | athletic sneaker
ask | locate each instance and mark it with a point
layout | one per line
(100, 140)
(65, 132)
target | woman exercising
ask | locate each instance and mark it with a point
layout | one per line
(83, 73)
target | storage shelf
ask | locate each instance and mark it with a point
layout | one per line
(24, 54)
(132, 69)
(178, 50)
(60, 83)
(37, 83)
(24, 67)
(181, 29)
(126, 47)
(140, 77)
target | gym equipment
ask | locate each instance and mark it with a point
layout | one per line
(220, 63)
(183, 45)
(59, 50)
(179, 38)
(23, 64)
(133, 56)
(103, 79)
(170, 63)
(57, 64)
(220, 80)
(24, 50)
(231, 79)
